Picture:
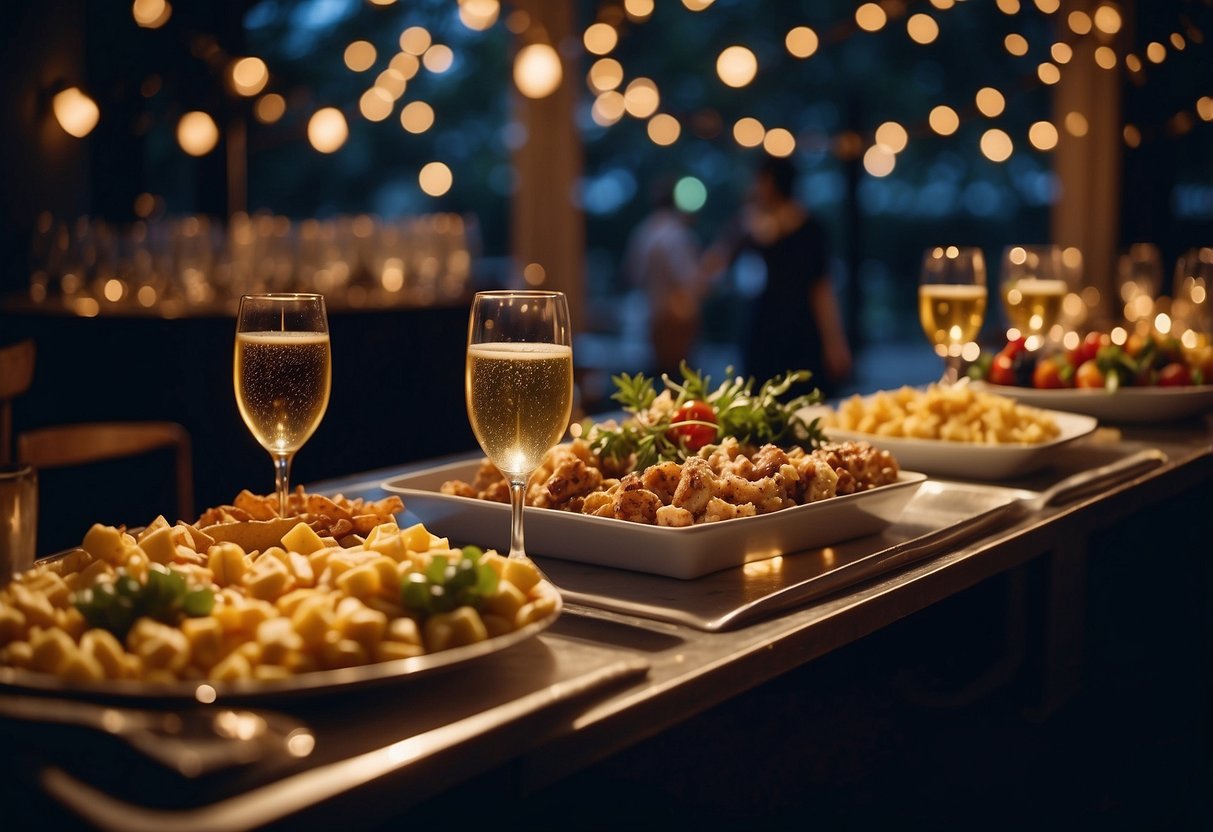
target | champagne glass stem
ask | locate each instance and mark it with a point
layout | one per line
(517, 495)
(282, 477)
(951, 373)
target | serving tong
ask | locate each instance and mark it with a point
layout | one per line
(192, 742)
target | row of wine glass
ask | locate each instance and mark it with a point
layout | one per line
(92, 266)
(1043, 296)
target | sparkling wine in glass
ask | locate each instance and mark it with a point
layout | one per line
(282, 373)
(952, 302)
(1034, 288)
(519, 385)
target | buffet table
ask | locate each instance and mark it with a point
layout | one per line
(533, 728)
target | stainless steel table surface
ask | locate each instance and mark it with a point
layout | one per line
(599, 681)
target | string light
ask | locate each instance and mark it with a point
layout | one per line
(943, 5)
(1204, 107)
(1177, 40)
(664, 129)
(360, 56)
(197, 133)
(151, 14)
(249, 76)
(76, 113)
(638, 10)
(990, 102)
(801, 42)
(922, 28)
(1133, 63)
(736, 66)
(1061, 52)
(1107, 19)
(478, 15)
(748, 132)
(1016, 44)
(392, 83)
(1156, 52)
(376, 104)
(1048, 6)
(892, 137)
(600, 38)
(1079, 22)
(1043, 135)
(1105, 57)
(407, 65)
(537, 70)
(605, 74)
(269, 108)
(944, 120)
(415, 40)
(435, 179)
(608, 108)
(641, 98)
(879, 161)
(779, 142)
(1076, 124)
(996, 145)
(697, 5)
(327, 130)
(870, 17)
(1008, 6)
(1048, 73)
(438, 58)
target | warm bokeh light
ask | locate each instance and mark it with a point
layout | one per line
(697, 5)
(1016, 44)
(943, 5)
(417, 117)
(249, 76)
(76, 113)
(1132, 135)
(801, 42)
(1105, 57)
(605, 74)
(415, 40)
(407, 65)
(269, 108)
(1156, 52)
(641, 98)
(1133, 63)
(664, 129)
(736, 66)
(478, 15)
(638, 10)
(870, 17)
(327, 130)
(600, 38)
(537, 70)
(996, 145)
(879, 161)
(1048, 73)
(892, 137)
(1204, 107)
(1076, 124)
(392, 82)
(608, 108)
(1107, 19)
(1043, 135)
(197, 133)
(435, 179)
(990, 102)
(1079, 22)
(779, 141)
(1177, 40)
(922, 28)
(1061, 52)
(151, 14)
(1008, 6)
(438, 58)
(1048, 6)
(360, 56)
(376, 104)
(748, 132)
(944, 120)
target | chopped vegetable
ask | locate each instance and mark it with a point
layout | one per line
(446, 585)
(165, 597)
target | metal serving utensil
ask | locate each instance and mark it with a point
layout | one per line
(192, 742)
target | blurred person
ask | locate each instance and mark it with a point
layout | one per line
(662, 259)
(795, 321)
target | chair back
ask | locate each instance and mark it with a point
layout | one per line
(16, 375)
(64, 446)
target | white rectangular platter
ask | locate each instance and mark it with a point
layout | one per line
(674, 552)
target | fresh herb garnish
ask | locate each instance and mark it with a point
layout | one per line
(446, 584)
(754, 416)
(165, 597)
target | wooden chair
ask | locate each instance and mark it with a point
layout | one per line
(69, 445)
(16, 375)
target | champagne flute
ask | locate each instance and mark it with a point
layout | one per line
(1034, 288)
(952, 298)
(519, 385)
(1192, 306)
(282, 373)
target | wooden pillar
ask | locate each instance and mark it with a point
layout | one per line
(547, 226)
(1088, 167)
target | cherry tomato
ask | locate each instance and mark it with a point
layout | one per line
(1086, 350)
(684, 427)
(1088, 374)
(1174, 375)
(1047, 375)
(1002, 370)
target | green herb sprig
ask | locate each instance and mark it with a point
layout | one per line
(166, 597)
(447, 584)
(755, 415)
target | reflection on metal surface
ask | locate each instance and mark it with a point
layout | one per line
(205, 694)
(763, 568)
